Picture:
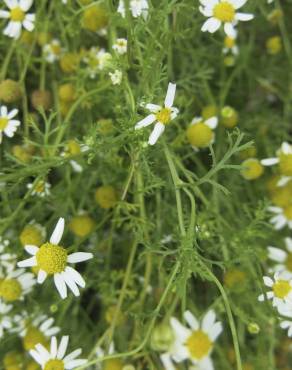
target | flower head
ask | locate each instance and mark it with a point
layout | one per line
(282, 257)
(51, 259)
(18, 17)
(282, 218)
(120, 46)
(55, 358)
(8, 125)
(137, 7)
(52, 51)
(161, 115)
(40, 188)
(116, 77)
(281, 289)
(223, 12)
(200, 133)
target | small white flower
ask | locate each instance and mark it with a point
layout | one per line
(284, 160)
(120, 46)
(161, 115)
(283, 217)
(15, 284)
(40, 189)
(55, 358)
(8, 125)
(230, 45)
(137, 7)
(283, 258)
(6, 321)
(116, 77)
(194, 344)
(52, 260)
(52, 51)
(97, 60)
(223, 12)
(281, 289)
(7, 260)
(17, 17)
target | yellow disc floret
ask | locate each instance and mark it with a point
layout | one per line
(72, 148)
(3, 123)
(274, 45)
(82, 225)
(10, 290)
(164, 116)
(31, 235)
(224, 11)
(17, 15)
(229, 42)
(32, 337)
(285, 164)
(199, 344)
(114, 364)
(51, 258)
(200, 135)
(281, 288)
(106, 196)
(252, 169)
(54, 365)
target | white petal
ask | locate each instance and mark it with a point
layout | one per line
(181, 332)
(25, 4)
(206, 364)
(44, 353)
(4, 14)
(208, 320)
(156, 133)
(238, 3)
(145, 121)
(167, 363)
(73, 355)
(79, 257)
(244, 16)
(28, 25)
(269, 161)
(60, 285)
(191, 320)
(277, 254)
(63, 347)
(42, 275)
(211, 25)
(75, 363)
(29, 262)
(212, 122)
(75, 276)
(71, 283)
(230, 30)
(169, 99)
(12, 114)
(46, 324)
(54, 347)
(58, 231)
(31, 249)
(37, 357)
(154, 108)
(215, 331)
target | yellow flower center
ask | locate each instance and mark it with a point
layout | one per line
(288, 212)
(3, 123)
(285, 164)
(73, 148)
(224, 11)
(252, 169)
(39, 187)
(54, 365)
(56, 48)
(31, 235)
(229, 42)
(281, 288)
(164, 116)
(10, 290)
(114, 364)
(200, 135)
(281, 196)
(32, 337)
(199, 344)
(51, 258)
(288, 262)
(17, 15)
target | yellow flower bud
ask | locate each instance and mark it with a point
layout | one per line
(32, 234)
(67, 93)
(106, 196)
(229, 117)
(209, 111)
(10, 91)
(69, 62)
(82, 225)
(252, 169)
(95, 18)
(274, 45)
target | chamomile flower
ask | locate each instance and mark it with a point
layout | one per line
(6, 321)
(116, 77)
(281, 289)
(196, 343)
(51, 259)
(282, 257)
(200, 133)
(18, 17)
(15, 284)
(120, 46)
(55, 358)
(283, 217)
(230, 45)
(52, 51)
(97, 60)
(40, 188)
(284, 160)
(223, 12)
(36, 330)
(8, 125)
(137, 7)
(161, 115)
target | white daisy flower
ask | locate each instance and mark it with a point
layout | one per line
(15, 284)
(55, 358)
(52, 259)
(52, 51)
(284, 160)
(116, 77)
(40, 189)
(223, 12)
(137, 7)
(286, 310)
(97, 60)
(161, 115)
(7, 260)
(281, 289)
(8, 125)
(194, 344)
(283, 217)
(120, 46)
(283, 258)
(17, 17)
(6, 321)
(200, 133)
(230, 45)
